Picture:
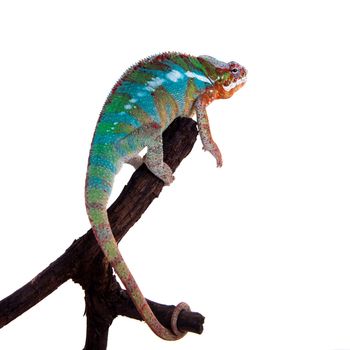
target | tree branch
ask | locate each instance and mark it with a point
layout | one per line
(83, 262)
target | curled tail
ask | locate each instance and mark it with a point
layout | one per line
(99, 181)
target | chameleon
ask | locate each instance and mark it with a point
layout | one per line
(141, 105)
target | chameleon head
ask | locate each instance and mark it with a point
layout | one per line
(228, 77)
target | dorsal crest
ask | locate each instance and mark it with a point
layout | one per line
(215, 62)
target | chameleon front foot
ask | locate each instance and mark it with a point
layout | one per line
(214, 150)
(174, 317)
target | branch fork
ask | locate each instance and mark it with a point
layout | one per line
(84, 263)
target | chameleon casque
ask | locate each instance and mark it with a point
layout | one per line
(141, 105)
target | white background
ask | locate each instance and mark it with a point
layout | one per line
(260, 247)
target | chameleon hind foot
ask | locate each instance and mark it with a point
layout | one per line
(136, 161)
(154, 161)
(162, 171)
(174, 317)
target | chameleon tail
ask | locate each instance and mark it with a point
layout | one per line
(98, 187)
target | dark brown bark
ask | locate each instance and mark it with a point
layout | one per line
(83, 262)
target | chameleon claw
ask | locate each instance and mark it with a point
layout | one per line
(168, 181)
(214, 150)
(174, 317)
(218, 158)
(217, 155)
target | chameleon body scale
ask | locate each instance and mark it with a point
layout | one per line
(141, 105)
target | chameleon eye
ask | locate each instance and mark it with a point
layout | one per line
(234, 70)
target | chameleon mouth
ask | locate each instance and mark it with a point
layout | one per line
(234, 84)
